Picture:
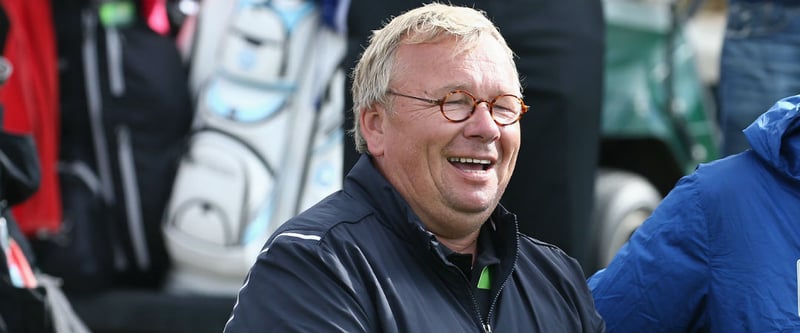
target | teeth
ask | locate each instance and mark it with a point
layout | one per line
(468, 160)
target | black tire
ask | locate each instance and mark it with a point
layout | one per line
(623, 200)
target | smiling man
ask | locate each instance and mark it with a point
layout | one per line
(416, 241)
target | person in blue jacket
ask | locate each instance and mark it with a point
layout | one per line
(416, 241)
(721, 253)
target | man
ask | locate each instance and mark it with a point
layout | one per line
(559, 48)
(416, 241)
(722, 251)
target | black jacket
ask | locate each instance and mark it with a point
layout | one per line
(361, 261)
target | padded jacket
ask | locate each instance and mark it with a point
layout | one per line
(361, 261)
(722, 251)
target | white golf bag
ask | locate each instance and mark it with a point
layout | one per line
(267, 139)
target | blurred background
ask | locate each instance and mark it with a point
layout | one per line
(164, 140)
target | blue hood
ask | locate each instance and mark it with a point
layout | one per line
(775, 136)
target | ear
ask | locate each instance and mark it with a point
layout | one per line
(372, 128)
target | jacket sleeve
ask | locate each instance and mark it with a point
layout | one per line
(296, 285)
(658, 281)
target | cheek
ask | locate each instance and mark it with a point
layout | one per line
(510, 143)
(415, 138)
(404, 147)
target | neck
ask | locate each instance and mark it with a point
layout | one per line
(464, 245)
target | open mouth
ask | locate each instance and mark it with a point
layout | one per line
(470, 164)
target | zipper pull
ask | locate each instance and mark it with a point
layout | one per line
(487, 328)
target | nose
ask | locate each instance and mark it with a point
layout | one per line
(481, 124)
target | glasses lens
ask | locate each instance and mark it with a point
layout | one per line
(457, 106)
(506, 109)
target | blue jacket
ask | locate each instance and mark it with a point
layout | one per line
(721, 253)
(360, 261)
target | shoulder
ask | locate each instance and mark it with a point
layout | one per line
(339, 207)
(326, 221)
(550, 260)
(717, 185)
(545, 272)
(731, 171)
(535, 247)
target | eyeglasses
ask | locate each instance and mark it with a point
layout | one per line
(459, 105)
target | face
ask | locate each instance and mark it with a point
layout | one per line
(432, 161)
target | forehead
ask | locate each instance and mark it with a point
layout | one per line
(447, 64)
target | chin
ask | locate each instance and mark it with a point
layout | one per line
(477, 209)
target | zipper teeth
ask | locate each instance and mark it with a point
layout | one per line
(487, 328)
(475, 307)
(496, 296)
(499, 290)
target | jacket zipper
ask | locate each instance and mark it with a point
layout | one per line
(486, 327)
